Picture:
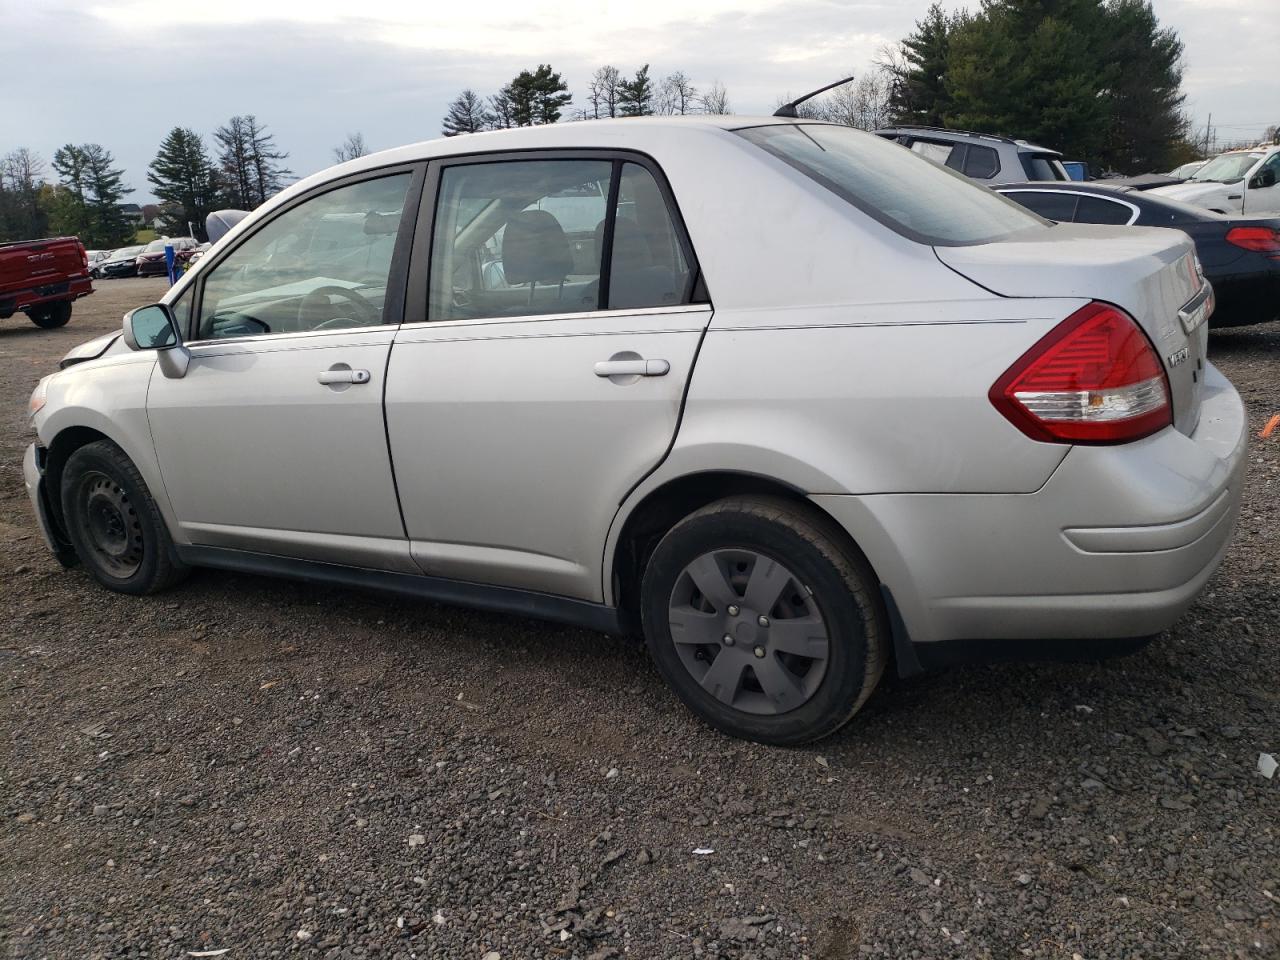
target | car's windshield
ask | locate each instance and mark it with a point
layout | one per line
(126, 252)
(1228, 167)
(917, 198)
(156, 246)
(1043, 166)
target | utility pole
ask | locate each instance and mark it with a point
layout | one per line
(1208, 127)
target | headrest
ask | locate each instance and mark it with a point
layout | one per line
(630, 245)
(535, 249)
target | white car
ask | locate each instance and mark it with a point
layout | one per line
(1236, 182)
(784, 398)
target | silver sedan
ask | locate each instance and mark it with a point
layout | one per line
(787, 400)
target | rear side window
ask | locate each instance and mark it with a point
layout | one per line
(1043, 166)
(525, 238)
(981, 162)
(921, 201)
(1102, 210)
(1059, 207)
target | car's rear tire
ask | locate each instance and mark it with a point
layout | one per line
(114, 524)
(774, 587)
(51, 315)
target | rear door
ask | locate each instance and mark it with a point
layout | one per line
(558, 325)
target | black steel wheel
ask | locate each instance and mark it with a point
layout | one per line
(113, 522)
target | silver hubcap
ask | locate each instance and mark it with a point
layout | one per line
(748, 631)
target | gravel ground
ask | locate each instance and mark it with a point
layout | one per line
(266, 768)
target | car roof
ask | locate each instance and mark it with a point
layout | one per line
(640, 134)
(1020, 144)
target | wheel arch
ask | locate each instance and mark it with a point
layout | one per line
(661, 508)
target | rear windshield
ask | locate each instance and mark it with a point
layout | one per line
(915, 197)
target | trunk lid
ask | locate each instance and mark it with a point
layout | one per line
(1151, 273)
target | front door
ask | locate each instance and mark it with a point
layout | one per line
(542, 387)
(274, 440)
(1263, 200)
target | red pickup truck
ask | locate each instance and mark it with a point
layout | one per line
(43, 278)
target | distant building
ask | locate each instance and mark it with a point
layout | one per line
(132, 213)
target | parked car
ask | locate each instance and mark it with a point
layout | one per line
(873, 411)
(1240, 257)
(1186, 170)
(980, 156)
(151, 261)
(121, 263)
(43, 278)
(1237, 182)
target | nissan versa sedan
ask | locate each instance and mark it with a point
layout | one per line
(785, 400)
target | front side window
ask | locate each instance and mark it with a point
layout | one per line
(322, 265)
(922, 201)
(530, 238)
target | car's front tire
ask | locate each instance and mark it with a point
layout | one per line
(765, 622)
(50, 316)
(113, 522)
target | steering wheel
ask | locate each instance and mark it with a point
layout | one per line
(366, 314)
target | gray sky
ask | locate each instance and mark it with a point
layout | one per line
(124, 72)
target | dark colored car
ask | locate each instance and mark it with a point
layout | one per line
(121, 263)
(1240, 255)
(151, 262)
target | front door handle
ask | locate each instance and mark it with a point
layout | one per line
(343, 375)
(632, 368)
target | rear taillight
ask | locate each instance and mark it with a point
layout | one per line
(84, 256)
(1094, 378)
(1258, 239)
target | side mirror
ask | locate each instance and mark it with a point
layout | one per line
(1265, 178)
(153, 328)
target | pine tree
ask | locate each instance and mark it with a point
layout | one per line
(635, 96)
(88, 206)
(184, 180)
(249, 162)
(467, 114)
(233, 164)
(919, 91)
(537, 98)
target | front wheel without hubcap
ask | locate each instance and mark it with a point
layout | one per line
(764, 619)
(113, 522)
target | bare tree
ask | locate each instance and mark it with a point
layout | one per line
(716, 100)
(350, 148)
(603, 92)
(862, 103)
(676, 95)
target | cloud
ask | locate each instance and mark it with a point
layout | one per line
(129, 70)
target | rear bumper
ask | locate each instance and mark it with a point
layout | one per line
(72, 288)
(1248, 297)
(1117, 544)
(33, 479)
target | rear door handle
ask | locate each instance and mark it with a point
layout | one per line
(632, 368)
(343, 376)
